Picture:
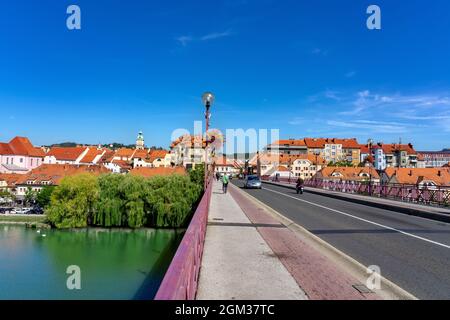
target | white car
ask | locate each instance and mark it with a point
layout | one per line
(20, 210)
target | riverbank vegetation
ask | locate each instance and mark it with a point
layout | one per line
(125, 200)
(22, 218)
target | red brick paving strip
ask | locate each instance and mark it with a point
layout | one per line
(317, 275)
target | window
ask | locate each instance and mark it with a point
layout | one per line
(21, 160)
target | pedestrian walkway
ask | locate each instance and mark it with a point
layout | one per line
(237, 262)
(249, 254)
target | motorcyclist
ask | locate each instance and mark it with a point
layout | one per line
(299, 185)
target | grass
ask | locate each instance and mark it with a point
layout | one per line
(22, 219)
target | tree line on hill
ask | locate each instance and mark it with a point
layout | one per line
(114, 145)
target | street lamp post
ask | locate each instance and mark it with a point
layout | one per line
(369, 145)
(207, 99)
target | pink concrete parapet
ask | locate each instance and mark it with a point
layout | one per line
(181, 279)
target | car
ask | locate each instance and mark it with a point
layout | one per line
(252, 182)
(21, 210)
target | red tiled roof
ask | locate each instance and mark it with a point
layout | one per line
(318, 143)
(310, 157)
(10, 178)
(92, 154)
(392, 148)
(21, 146)
(125, 152)
(189, 141)
(440, 176)
(122, 164)
(291, 142)
(348, 173)
(161, 171)
(55, 172)
(69, 153)
(141, 154)
(157, 154)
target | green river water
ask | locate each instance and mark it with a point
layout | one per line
(114, 264)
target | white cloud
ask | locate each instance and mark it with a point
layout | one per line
(184, 40)
(350, 74)
(216, 35)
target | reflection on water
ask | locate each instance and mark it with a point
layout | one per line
(115, 264)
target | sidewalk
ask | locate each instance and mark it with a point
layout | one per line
(250, 255)
(237, 263)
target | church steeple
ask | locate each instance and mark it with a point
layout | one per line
(140, 141)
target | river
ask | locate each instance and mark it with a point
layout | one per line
(114, 263)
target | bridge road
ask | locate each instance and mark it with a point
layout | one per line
(412, 252)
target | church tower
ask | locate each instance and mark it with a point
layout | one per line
(140, 141)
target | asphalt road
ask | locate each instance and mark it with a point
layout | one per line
(412, 252)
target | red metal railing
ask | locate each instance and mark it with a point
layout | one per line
(430, 195)
(181, 279)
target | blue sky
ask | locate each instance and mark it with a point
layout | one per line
(309, 68)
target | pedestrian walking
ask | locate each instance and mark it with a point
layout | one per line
(225, 182)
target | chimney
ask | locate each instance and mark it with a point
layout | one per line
(439, 173)
(410, 173)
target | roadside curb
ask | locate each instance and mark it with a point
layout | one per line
(370, 202)
(390, 290)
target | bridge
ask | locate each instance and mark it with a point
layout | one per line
(275, 244)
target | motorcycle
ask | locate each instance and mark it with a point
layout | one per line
(299, 189)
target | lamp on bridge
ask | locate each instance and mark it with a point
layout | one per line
(207, 99)
(369, 145)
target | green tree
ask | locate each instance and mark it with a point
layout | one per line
(43, 197)
(30, 196)
(73, 201)
(197, 175)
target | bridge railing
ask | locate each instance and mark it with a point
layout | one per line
(430, 195)
(181, 279)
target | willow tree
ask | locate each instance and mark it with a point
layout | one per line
(73, 202)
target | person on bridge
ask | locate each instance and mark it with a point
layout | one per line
(299, 185)
(225, 182)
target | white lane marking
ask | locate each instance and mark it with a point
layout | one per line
(362, 219)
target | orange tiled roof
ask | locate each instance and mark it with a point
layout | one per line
(125, 152)
(107, 156)
(10, 178)
(319, 143)
(53, 173)
(91, 155)
(440, 176)
(392, 148)
(141, 154)
(310, 157)
(161, 171)
(348, 173)
(69, 153)
(189, 141)
(157, 154)
(21, 146)
(291, 142)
